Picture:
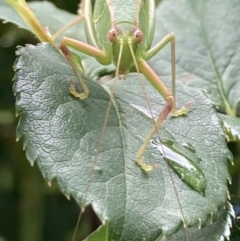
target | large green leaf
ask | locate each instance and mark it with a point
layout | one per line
(62, 134)
(207, 46)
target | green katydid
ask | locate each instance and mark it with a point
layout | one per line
(126, 42)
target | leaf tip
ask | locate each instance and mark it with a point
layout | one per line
(67, 196)
(228, 195)
(229, 180)
(230, 158)
(104, 222)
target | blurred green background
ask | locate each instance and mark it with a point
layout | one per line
(29, 209)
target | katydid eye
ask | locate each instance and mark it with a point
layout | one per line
(138, 35)
(112, 35)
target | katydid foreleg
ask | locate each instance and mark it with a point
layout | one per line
(72, 89)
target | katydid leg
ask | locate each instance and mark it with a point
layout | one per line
(163, 115)
(170, 38)
(73, 91)
(85, 48)
(163, 90)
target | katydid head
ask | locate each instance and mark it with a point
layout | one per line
(125, 39)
